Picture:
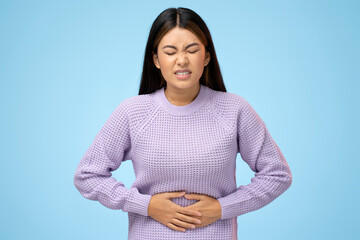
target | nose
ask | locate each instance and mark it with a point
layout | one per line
(182, 59)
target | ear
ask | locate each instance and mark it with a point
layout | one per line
(207, 58)
(156, 60)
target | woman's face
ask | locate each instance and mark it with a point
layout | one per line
(180, 49)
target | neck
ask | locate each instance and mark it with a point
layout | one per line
(181, 97)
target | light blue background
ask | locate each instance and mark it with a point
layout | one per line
(66, 65)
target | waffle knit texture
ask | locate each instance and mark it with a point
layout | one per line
(190, 148)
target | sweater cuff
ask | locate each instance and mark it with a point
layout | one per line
(228, 208)
(139, 203)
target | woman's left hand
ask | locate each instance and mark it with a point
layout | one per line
(209, 208)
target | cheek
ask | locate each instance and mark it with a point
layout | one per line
(199, 59)
(166, 62)
(199, 62)
(166, 66)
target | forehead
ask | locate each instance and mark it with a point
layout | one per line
(179, 36)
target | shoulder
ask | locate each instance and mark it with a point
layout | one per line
(135, 103)
(228, 101)
(136, 108)
(236, 110)
(233, 107)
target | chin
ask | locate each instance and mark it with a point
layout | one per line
(183, 84)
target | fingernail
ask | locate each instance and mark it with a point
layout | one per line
(199, 214)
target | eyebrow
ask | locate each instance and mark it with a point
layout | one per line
(190, 45)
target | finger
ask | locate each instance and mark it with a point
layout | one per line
(186, 211)
(175, 194)
(193, 196)
(182, 223)
(174, 227)
(188, 219)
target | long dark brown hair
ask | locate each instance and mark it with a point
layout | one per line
(151, 78)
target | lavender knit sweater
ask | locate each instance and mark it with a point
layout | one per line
(191, 148)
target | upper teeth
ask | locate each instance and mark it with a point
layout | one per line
(182, 73)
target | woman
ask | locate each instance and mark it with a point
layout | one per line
(183, 132)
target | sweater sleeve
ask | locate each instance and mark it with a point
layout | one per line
(93, 177)
(272, 173)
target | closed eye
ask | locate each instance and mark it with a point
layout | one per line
(194, 51)
(189, 52)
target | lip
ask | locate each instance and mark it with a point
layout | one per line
(182, 77)
(182, 70)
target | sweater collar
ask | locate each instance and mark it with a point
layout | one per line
(182, 110)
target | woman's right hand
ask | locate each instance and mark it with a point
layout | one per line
(163, 210)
